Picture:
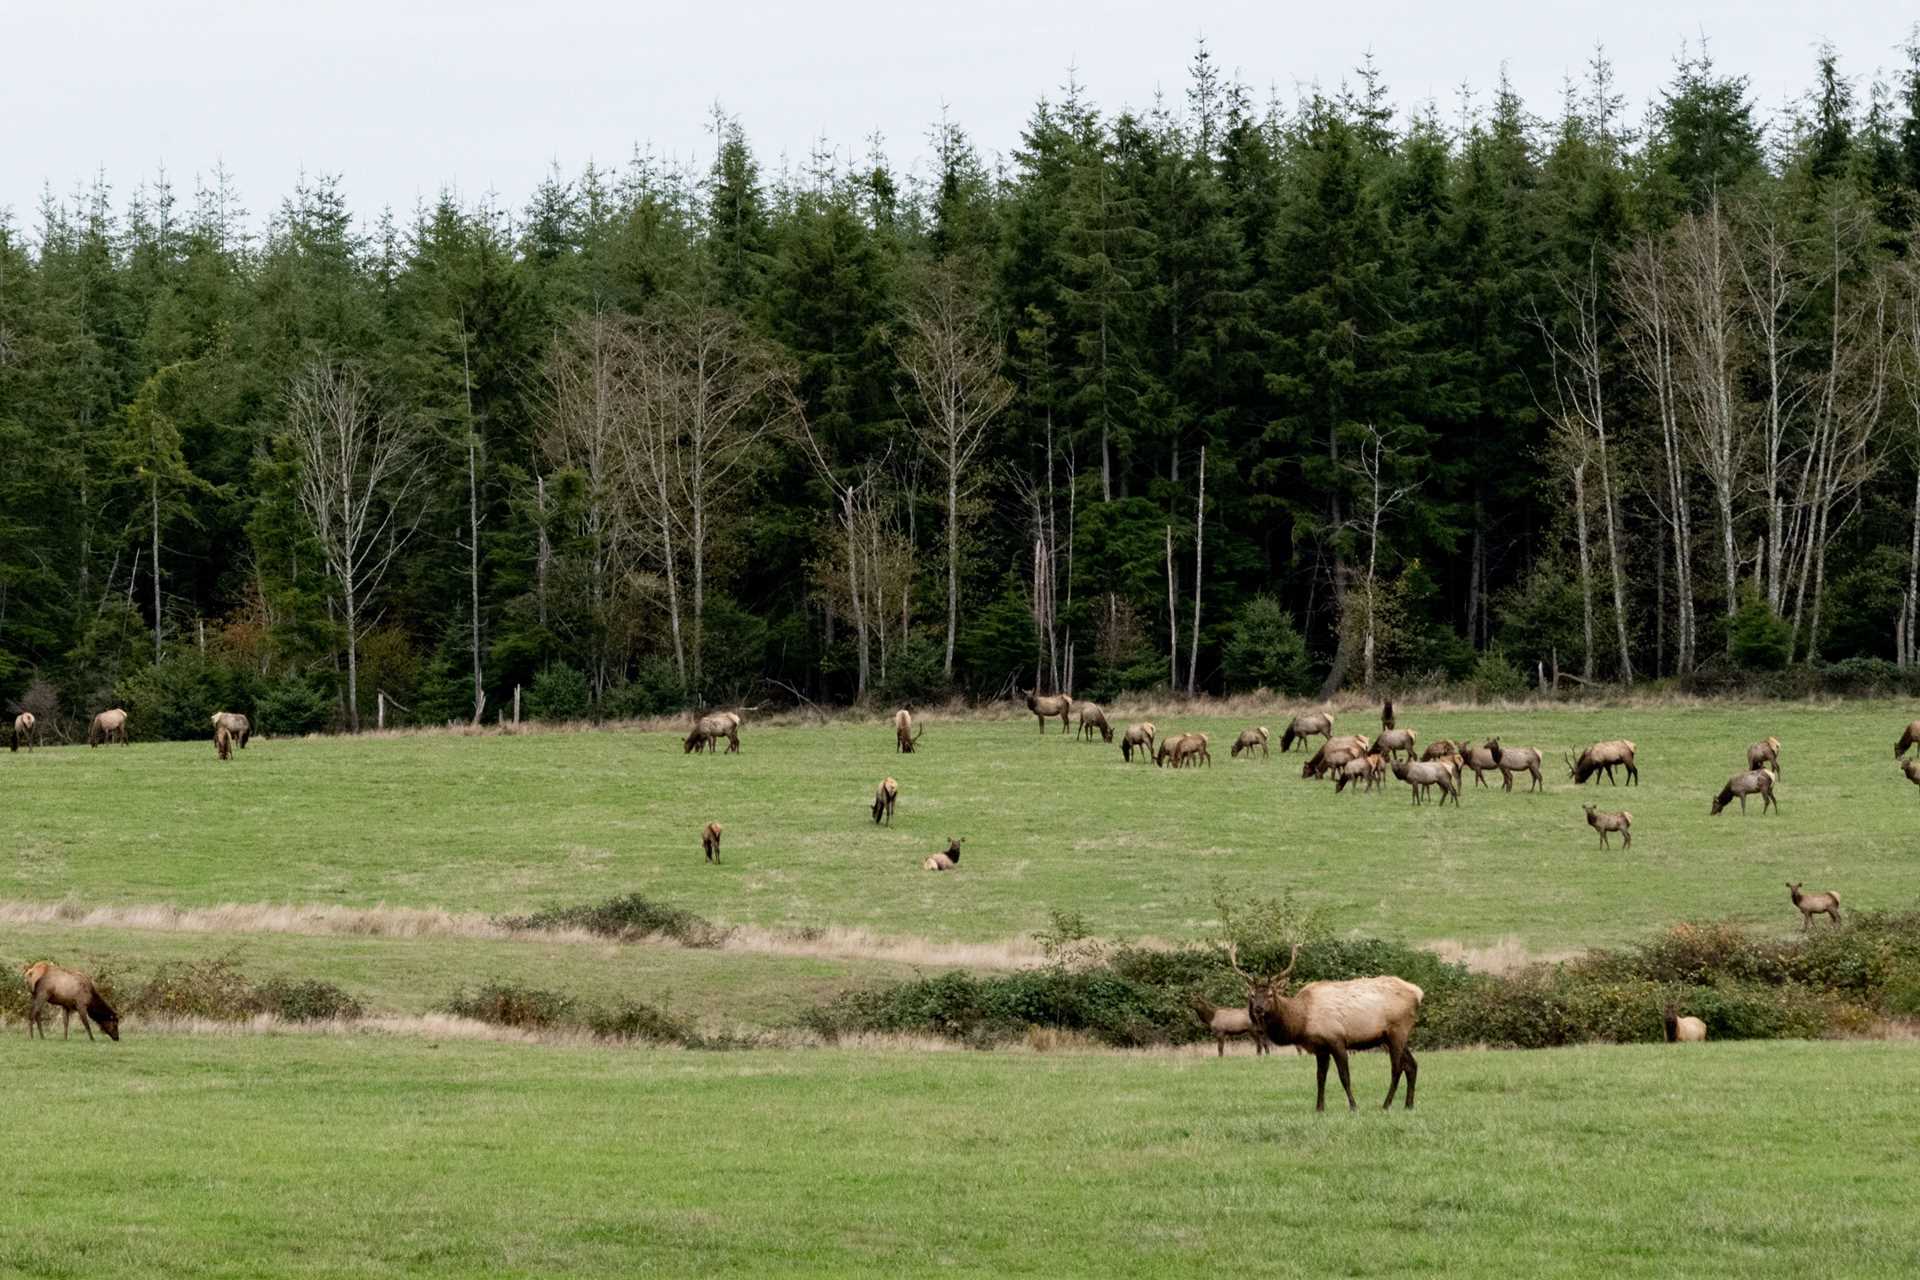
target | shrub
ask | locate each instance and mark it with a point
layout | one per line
(915, 672)
(1758, 640)
(507, 1004)
(295, 705)
(213, 988)
(175, 697)
(626, 918)
(655, 690)
(1267, 651)
(1496, 676)
(637, 1020)
(559, 692)
(307, 1000)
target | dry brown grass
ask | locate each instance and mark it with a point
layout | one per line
(1506, 956)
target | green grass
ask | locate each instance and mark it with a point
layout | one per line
(362, 1156)
(508, 824)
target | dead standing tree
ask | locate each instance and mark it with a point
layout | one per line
(1377, 496)
(359, 481)
(1906, 323)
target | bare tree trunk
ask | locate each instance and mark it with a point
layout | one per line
(353, 661)
(1613, 562)
(1586, 573)
(953, 563)
(1913, 579)
(1199, 538)
(543, 553)
(473, 529)
(153, 490)
(1173, 623)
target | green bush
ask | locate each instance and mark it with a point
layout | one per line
(559, 693)
(176, 697)
(307, 1000)
(655, 690)
(511, 1005)
(1496, 676)
(295, 705)
(213, 988)
(1267, 651)
(1759, 641)
(915, 672)
(626, 918)
(637, 1020)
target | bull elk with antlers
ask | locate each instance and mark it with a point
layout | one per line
(1333, 1019)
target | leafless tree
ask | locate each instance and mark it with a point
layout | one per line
(1906, 343)
(360, 478)
(1378, 495)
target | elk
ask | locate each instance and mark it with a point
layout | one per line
(223, 743)
(1315, 724)
(904, 735)
(1441, 749)
(1604, 755)
(1605, 822)
(72, 993)
(1138, 737)
(1055, 704)
(1481, 760)
(1250, 740)
(1331, 756)
(710, 729)
(947, 861)
(1753, 782)
(1912, 769)
(1092, 717)
(23, 730)
(1814, 904)
(1683, 1030)
(1333, 1019)
(1227, 1024)
(107, 726)
(1386, 716)
(236, 724)
(1910, 736)
(1370, 769)
(1392, 741)
(1765, 754)
(1514, 760)
(1421, 774)
(883, 800)
(710, 841)
(1192, 747)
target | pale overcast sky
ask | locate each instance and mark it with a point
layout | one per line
(402, 98)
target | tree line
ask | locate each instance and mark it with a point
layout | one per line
(1222, 393)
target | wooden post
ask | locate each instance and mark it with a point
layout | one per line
(516, 704)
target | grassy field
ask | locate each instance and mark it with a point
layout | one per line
(509, 824)
(366, 1156)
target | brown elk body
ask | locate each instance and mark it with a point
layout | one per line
(1054, 704)
(1251, 740)
(107, 726)
(1514, 760)
(883, 800)
(1393, 741)
(1094, 717)
(1604, 756)
(1421, 774)
(1605, 822)
(237, 725)
(1314, 724)
(1765, 754)
(1481, 760)
(1228, 1024)
(904, 736)
(1682, 1029)
(708, 731)
(1753, 782)
(1330, 759)
(944, 861)
(1909, 736)
(71, 993)
(1386, 716)
(1192, 747)
(1814, 904)
(1912, 769)
(1369, 769)
(1138, 737)
(710, 841)
(23, 730)
(223, 743)
(1441, 749)
(1333, 1019)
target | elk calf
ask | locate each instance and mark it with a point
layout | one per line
(223, 743)
(1753, 782)
(1605, 822)
(710, 841)
(71, 993)
(1814, 904)
(1249, 741)
(883, 799)
(947, 861)
(1227, 1024)
(1765, 754)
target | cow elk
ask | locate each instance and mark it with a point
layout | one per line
(1604, 756)
(1227, 1024)
(1753, 782)
(223, 743)
(1481, 760)
(71, 993)
(1912, 769)
(1393, 741)
(1683, 1030)
(1910, 736)
(107, 726)
(1054, 704)
(904, 734)
(1421, 774)
(1441, 749)
(1315, 724)
(883, 800)
(708, 731)
(1333, 1019)
(947, 861)
(1093, 717)
(1138, 737)
(1368, 769)
(23, 730)
(1514, 760)
(1606, 822)
(1249, 741)
(710, 841)
(236, 724)
(1765, 754)
(1814, 904)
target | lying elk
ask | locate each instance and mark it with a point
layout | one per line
(1765, 754)
(1093, 717)
(1421, 774)
(1604, 755)
(1138, 737)
(1605, 822)
(944, 861)
(1333, 1019)
(1910, 736)
(223, 743)
(1814, 904)
(904, 734)
(883, 800)
(1054, 704)
(23, 730)
(1514, 760)
(710, 729)
(71, 993)
(107, 726)
(1315, 724)
(1227, 1024)
(1251, 740)
(1753, 782)
(1481, 760)
(1683, 1030)
(236, 724)
(1392, 741)
(710, 841)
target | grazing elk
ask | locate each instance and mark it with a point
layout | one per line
(904, 735)
(710, 729)
(1249, 741)
(1054, 704)
(1386, 716)
(223, 743)
(23, 730)
(1765, 754)
(1138, 737)
(1514, 760)
(1605, 822)
(1393, 741)
(1370, 769)
(1092, 717)
(1753, 782)
(1421, 774)
(1227, 1024)
(1683, 1030)
(1192, 747)
(107, 726)
(1604, 756)
(1910, 736)
(883, 800)
(1333, 1019)
(1814, 904)
(1481, 760)
(71, 993)
(1331, 757)
(710, 841)
(1314, 724)
(236, 724)
(1441, 749)
(1912, 769)
(944, 861)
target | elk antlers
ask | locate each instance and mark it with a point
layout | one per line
(1233, 960)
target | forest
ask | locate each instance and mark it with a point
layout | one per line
(1220, 393)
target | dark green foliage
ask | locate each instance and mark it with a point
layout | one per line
(637, 1020)
(626, 918)
(294, 705)
(1758, 640)
(307, 1000)
(508, 1004)
(559, 693)
(1495, 676)
(176, 697)
(1266, 650)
